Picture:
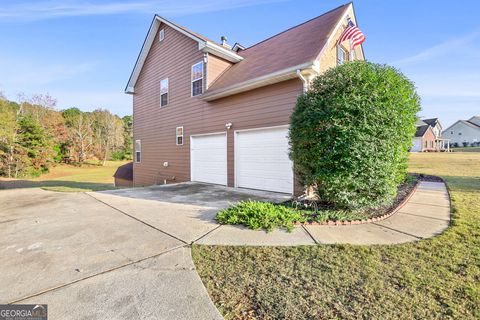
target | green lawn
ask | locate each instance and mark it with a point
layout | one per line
(437, 278)
(68, 178)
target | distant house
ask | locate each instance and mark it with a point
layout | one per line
(424, 139)
(428, 137)
(464, 132)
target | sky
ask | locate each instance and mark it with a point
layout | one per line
(82, 51)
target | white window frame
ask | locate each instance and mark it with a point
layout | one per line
(193, 80)
(178, 136)
(161, 94)
(139, 143)
(161, 35)
(345, 54)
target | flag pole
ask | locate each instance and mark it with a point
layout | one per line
(350, 52)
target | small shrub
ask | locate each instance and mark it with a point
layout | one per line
(350, 134)
(260, 215)
(117, 156)
(265, 215)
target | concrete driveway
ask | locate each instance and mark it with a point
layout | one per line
(121, 254)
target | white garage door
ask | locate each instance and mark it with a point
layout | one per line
(208, 158)
(262, 161)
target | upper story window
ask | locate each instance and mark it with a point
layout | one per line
(138, 150)
(197, 79)
(342, 55)
(163, 92)
(161, 35)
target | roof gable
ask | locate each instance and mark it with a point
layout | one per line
(421, 130)
(475, 120)
(467, 123)
(432, 122)
(204, 44)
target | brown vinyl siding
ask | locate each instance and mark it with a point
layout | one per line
(155, 126)
(215, 68)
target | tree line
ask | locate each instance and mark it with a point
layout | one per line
(34, 136)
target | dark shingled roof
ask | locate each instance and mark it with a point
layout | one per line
(421, 130)
(125, 172)
(431, 122)
(470, 123)
(295, 46)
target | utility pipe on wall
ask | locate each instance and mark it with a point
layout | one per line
(304, 80)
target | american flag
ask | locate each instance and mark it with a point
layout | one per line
(352, 32)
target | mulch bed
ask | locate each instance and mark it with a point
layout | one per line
(425, 177)
(405, 191)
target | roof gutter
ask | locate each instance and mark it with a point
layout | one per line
(308, 69)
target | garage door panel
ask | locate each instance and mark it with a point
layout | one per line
(266, 158)
(271, 174)
(209, 158)
(262, 160)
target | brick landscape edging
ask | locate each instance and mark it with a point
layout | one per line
(369, 220)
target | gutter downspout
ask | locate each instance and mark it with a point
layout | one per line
(305, 82)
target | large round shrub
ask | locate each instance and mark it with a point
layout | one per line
(350, 134)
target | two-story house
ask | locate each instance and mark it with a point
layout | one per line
(428, 137)
(208, 112)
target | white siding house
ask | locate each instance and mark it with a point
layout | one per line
(464, 131)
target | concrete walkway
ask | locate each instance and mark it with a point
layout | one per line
(427, 213)
(125, 254)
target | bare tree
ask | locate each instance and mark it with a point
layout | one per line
(82, 134)
(108, 131)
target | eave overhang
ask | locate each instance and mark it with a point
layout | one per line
(309, 70)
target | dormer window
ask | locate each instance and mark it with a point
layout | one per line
(161, 35)
(197, 79)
